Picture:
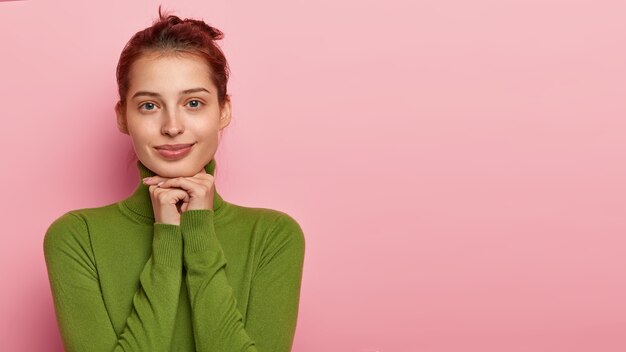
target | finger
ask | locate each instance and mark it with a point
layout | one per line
(153, 180)
(151, 189)
(196, 179)
(202, 176)
(156, 179)
(203, 181)
(191, 186)
(171, 196)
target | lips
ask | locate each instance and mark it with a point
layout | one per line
(168, 151)
(173, 146)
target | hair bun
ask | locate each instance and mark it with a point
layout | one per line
(213, 32)
(174, 19)
(216, 34)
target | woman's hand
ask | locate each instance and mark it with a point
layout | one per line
(172, 196)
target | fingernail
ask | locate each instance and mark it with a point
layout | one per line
(160, 183)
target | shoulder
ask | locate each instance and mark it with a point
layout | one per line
(279, 242)
(286, 225)
(278, 227)
(65, 227)
(271, 220)
(66, 243)
(275, 228)
(70, 232)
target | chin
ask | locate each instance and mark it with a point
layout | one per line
(179, 169)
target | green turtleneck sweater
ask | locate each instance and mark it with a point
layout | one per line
(225, 279)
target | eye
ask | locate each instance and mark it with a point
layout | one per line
(149, 106)
(196, 105)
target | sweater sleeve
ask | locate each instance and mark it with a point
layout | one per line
(81, 315)
(275, 289)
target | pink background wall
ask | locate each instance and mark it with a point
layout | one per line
(458, 167)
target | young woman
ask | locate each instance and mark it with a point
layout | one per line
(174, 267)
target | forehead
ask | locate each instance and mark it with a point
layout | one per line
(169, 73)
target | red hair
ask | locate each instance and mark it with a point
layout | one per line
(170, 34)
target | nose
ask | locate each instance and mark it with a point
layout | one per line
(172, 124)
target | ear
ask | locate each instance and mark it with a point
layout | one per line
(225, 114)
(121, 118)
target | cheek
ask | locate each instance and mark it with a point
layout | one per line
(140, 132)
(209, 134)
(206, 127)
(140, 126)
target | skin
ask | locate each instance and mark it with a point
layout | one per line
(174, 118)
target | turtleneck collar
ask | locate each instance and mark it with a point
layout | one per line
(139, 206)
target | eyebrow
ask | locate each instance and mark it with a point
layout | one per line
(186, 91)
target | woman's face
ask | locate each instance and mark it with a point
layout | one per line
(171, 100)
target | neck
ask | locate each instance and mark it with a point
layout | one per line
(139, 203)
